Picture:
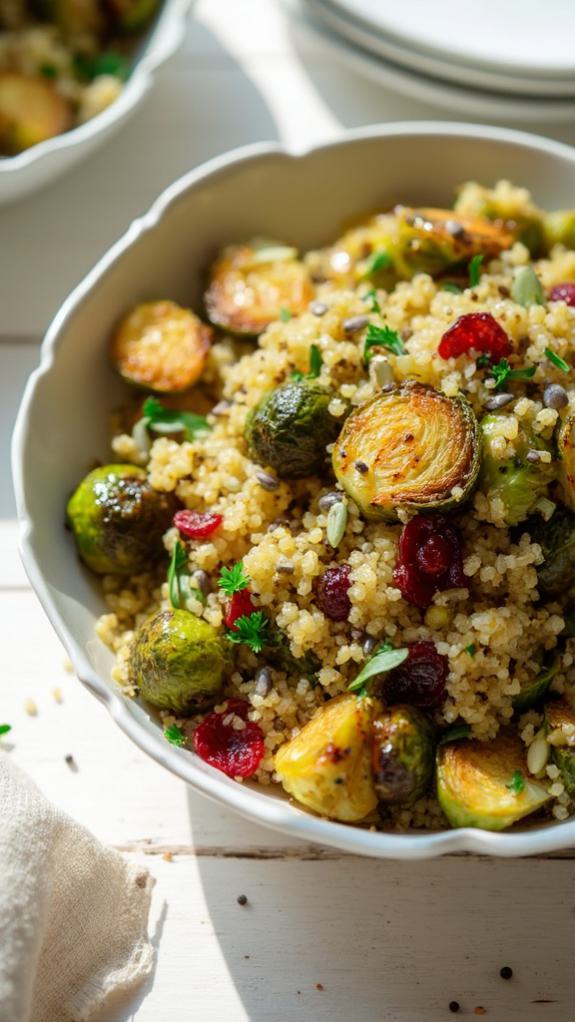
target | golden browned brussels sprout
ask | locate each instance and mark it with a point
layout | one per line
(509, 207)
(408, 449)
(131, 15)
(252, 285)
(432, 240)
(30, 111)
(161, 347)
(327, 766)
(560, 730)
(486, 784)
(566, 451)
(402, 755)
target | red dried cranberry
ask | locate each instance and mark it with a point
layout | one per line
(563, 293)
(429, 559)
(197, 524)
(478, 330)
(235, 753)
(240, 605)
(420, 679)
(331, 592)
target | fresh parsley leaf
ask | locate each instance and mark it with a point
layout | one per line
(170, 420)
(453, 734)
(5, 728)
(557, 361)
(178, 567)
(285, 315)
(371, 298)
(377, 261)
(175, 735)
(315, 362)
(517, 783)
(251, 630)
(233, 579)
(503, 372)
(383, 660)
(471, 649)
(382, 337)
(450, 285)
(475, 269)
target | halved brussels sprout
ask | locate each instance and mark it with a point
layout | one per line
(31, 110)
(486, 784)
(432, 240)
(177, 661)
(520, 219)
(402, 755)
(556, 575)
(517, 482)
(366, 252)
(251, 285)
(118, 520)
(327, 766)
(566, 451)
(535, 691)
(290, 428)
(161, 347)
(559, 228)
(408, 449)
(560, 731)
(131, 15)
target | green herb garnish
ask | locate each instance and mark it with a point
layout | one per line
(178, 567)
(453, 734)
(517, 783)
(285, 315)
(475, 269)
(48, 71)
(371, 298)
(110, 63)
(471, 649)
(503, 372)
(383, 660)
(233, 579)
(169, 420)
(450, 285)
(557, 361)
(5, 728)
(377, 261)
(251, 630)
(315, 364)
(382, 337)
(174, 735)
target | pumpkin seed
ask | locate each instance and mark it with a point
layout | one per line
(336, 523)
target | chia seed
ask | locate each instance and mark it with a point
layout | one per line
(326, 501)
(506, 972)
(263, 682)
(354, 324)
(360, 466)
(499, 401)
(454, 1006)
(318, 308)
(242, 899)
(267, 481)
(555, 396)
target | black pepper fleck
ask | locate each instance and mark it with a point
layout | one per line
(242, 899)
(454, 1006)
(506, 972)
(71, 763)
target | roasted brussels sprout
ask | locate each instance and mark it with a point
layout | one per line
(31, 110)
(556, 575)
(118, 520)
(519, 483)
(432, 240)
(485, 784)
(560, 730)
(327, 766)
(131, 15)
(408, 449)
(559, 228)
(290, 428)
(566, 451)
(251, 285)
(161, 347)
(366, 252)
(510, 209)
(402, 755)
(535, 691)
(177, 661)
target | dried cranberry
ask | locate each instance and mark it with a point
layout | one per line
(563, 293)
(197, 524)
(429, 559)
(478, 330)
(235, 753)
(331, 592)
(240, 605)
(420, 679)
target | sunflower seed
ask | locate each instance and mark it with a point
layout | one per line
(318, 308)
(267, 481)
(203, 581)
(538, 753)
(555, 396)
(326, 501)
(336, 523)
(369, 645)
(499, 401)
(354, 324)
(263, 682)
(380, 371)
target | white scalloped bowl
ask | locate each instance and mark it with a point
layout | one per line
(62, 425)
(36, 167)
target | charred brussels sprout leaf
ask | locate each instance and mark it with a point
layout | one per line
(402, 755)
(290, 428)
(177, 661)
(31, 110)
(118, 520)
(161, 347)
(132, 15)
(535, 691)
(477, 783)
(327, 766)
(251, 284)
(408, 449)
(560, 730)
(518, 483)
(556, 538)
(432, 240)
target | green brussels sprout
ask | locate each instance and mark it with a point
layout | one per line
(403, 755)
(408, 449)
(177, 661)
(559, 228)
(566, 452)
(161, 347)
(535, 691)
(31, 111)
(131, 15)
(517, 482)
(252, 285)
(560, 732)
(432, 240)
(327, 766)
(556, 538)
(118, 520)
(523, 222)
(291, 427)
(485, 784)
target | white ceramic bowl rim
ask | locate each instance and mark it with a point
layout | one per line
(251, 803)
(163, 39)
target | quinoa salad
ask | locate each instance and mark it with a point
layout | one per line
(62, 62)
(336, 535)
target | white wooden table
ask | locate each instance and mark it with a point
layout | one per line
(324, 936)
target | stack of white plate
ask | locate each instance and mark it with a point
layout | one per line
(500, 58)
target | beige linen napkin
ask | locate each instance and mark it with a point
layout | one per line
(73, 915)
